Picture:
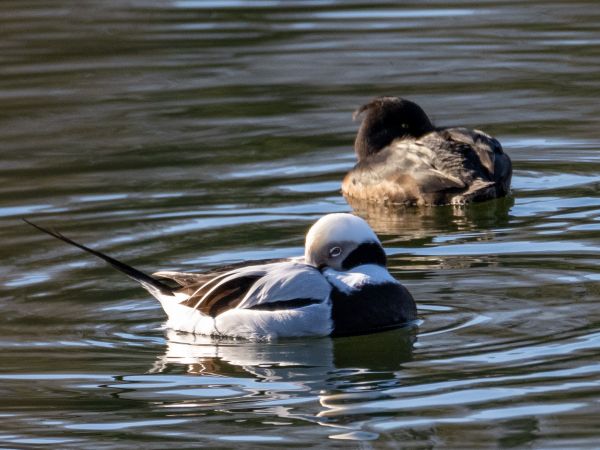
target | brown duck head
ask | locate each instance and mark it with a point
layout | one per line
(386, 119)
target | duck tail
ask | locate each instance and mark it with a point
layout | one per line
(151, 284)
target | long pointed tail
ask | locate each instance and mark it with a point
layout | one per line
(148, 282)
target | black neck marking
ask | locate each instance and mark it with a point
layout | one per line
(371, 308)
(367, 253)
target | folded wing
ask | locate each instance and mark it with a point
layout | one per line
(274, 286)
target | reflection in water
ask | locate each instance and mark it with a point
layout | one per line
(413, 223)
(294, 360)
(311, 368)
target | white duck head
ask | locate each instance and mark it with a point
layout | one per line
(342, 241)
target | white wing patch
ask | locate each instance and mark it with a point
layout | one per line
(287, 281)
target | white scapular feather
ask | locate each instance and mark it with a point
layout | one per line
(287, 281)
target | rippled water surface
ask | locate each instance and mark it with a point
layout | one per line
(187, 134)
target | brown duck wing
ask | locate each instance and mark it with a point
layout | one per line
(491, 163)
(213, 292)
(455, 155)
(433, 180)
(220, 296)
(184, 279)
(485, 147)
(404, 172)
(188, 279)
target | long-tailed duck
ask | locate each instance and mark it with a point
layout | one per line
(404, 159)
(342, 287)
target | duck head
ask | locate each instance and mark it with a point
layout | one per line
(386, 119)
(342, 241)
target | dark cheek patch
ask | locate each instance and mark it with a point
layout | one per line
(368, 253)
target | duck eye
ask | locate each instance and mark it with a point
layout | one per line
(335, 251)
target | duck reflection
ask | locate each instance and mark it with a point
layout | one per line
(319, 363)
(410, 223)
(298, 380)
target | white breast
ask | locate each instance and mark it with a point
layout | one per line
(357, 277)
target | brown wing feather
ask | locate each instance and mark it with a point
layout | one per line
(184, 279)
(482, 144)
(435, 181)
(225, 296)
(189, 279)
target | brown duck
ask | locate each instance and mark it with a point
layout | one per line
(404, 159)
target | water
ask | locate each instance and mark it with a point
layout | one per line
(184, 135)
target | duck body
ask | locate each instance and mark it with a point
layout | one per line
(404, 159)
(288, 299)
(340, 287)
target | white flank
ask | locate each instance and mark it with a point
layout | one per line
(313, 320)
(184, 318)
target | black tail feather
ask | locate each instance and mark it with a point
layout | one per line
(146, 280)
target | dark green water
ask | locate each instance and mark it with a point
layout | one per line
(187, 134)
